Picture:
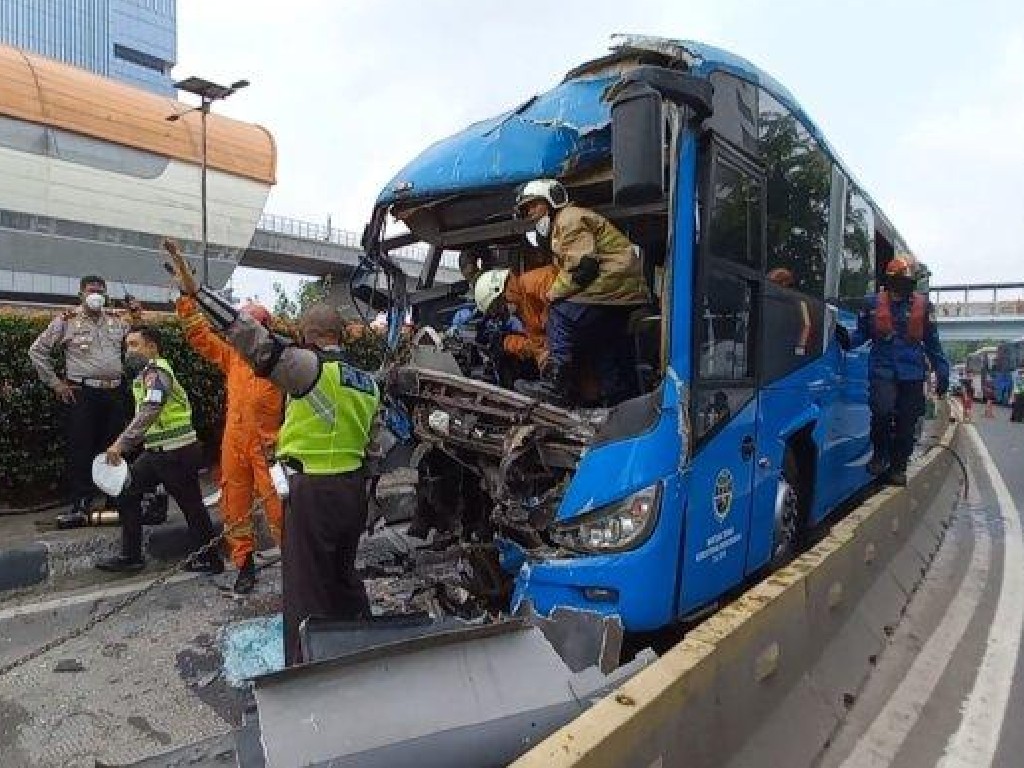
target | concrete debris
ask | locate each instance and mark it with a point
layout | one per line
(69, 665)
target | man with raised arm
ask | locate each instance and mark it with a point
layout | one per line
(250, 434)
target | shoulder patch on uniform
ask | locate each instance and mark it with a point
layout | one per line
(357, 379)
(155, 396)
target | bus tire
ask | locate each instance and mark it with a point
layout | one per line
(789, 506)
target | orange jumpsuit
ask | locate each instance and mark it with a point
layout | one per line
(529, 293)
(250, 432)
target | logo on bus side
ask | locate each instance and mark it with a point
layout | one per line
(722, 498)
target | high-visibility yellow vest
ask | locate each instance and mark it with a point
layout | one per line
(327, 430)
(173, 428)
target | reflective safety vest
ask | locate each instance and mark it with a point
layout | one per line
(915, 321)
(173, 427)
(1018, 382)
(327, 429)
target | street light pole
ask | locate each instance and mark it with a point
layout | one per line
(204, 110)
(208, 93)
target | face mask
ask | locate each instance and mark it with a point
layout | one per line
(95, 301)
(543, 225)
(134, 362)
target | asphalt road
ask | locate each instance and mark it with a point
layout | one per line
(149, 678)
(949, 690)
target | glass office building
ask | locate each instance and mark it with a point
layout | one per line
(130, 40)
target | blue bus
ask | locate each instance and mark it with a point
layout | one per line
(985, 375)
(1009, 359)
(753, 424)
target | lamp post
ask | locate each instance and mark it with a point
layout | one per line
(208, 93)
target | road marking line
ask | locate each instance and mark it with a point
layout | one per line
(879, 744)
(105, 593)
(977, 739)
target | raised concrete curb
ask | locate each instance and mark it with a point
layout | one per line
(33, 563)
(768, 679)
(24, 566)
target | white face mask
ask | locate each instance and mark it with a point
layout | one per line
(95, 301)
(543, 225)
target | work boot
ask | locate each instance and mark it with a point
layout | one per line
(120, 564)
(897, 477)
(76, 517)
(211, 563)
(876, 466)
(552, 387)
(245, 582)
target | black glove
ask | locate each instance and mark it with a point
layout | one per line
(586, 272)
(843, 337)
(496, 343)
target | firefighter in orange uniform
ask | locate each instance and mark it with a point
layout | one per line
(254, 413)
(499, 292)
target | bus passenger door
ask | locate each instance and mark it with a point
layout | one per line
(724, 403)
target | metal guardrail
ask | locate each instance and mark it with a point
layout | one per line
(308, 230)
(1013, 308)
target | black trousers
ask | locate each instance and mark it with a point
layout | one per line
(1017, 413)
(94, 420)
(895, 408)
(325, 517)
(178, 470)
(598, 334)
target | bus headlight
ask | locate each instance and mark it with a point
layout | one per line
(616, 527)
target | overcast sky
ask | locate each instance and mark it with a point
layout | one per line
(924, 101)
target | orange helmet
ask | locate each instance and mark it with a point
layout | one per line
(258, 312)
(899, 266)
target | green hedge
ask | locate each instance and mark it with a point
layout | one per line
(31, 419)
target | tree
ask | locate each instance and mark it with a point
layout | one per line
(309, 292)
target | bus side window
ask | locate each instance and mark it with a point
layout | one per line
(725, 333)
(799, 180)
(857, 265)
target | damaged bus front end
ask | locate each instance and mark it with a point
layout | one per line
(581, 507)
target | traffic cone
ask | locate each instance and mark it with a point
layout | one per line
(988, 409)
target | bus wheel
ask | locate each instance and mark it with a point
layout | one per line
(787, 514)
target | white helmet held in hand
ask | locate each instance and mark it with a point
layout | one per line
(489, 286)
(548, 190)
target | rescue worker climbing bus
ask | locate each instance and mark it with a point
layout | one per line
(748, 425)
(899, 323)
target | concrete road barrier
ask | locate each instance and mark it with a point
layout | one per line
(768, 679)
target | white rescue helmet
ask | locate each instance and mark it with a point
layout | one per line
(548, 190)
(489, 286)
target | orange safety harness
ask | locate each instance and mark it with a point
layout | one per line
(915, 323)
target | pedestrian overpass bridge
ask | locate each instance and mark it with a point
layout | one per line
(282, 244)
(979, 311)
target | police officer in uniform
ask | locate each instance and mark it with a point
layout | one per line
(328, 417)
(900, 325)
(171, 455)
(92, 338)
